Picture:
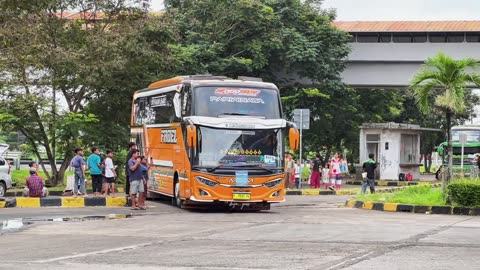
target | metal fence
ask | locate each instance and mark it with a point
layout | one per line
(458, 173)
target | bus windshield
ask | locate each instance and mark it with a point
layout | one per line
(473, 136)
(221, 101)
(239, 147)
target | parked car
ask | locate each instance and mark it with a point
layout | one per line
(5, 171)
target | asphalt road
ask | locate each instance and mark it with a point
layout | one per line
(303, 233)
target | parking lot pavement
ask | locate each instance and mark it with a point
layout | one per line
(306, 232)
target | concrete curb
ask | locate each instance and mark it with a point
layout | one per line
(384, 183)
(411, 208)
(51, 193)
(316, 192)
(64, 202)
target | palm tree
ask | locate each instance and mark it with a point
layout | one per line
(445, 80)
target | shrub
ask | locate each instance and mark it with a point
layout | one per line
(464, 192)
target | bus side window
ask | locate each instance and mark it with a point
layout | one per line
(140, 111)
(162, 109)
(186, 101)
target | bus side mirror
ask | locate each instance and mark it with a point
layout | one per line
(191, 136)
(294, 138)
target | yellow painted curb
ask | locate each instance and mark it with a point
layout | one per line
(382, 183)
(28, 202)
(116, 201)
(120, 189)
(346, 192)
(390, 207)
(424, 184)
(402, 184)
(2, 204)
(351, 203)
(368, 205)
(73, 202)
(310, 192)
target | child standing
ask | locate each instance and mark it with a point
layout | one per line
(336, 173)
(326, 175)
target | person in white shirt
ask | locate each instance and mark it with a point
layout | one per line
(110, 174)
(298, 174)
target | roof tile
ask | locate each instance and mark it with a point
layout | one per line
(407, 26)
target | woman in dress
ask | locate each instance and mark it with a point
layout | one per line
(336, 172)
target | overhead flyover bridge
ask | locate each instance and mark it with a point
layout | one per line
(388, 54)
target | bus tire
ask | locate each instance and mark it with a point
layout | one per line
(176, 201)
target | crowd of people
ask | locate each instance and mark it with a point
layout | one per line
(103, 176)
(327, 174)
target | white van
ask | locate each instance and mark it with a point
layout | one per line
(5, 171)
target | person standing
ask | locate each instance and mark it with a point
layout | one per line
(34, 185)
(289, 170)
(326, 175)
(145, 168)
(369, 167)
(94, 163)
(298, 174)
(131, 147)
(136, 181)
(79, 165)
(336, 172)
(315, 177)
(110, 174)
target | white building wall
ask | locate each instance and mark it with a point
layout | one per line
(389, 159)
(363, 146)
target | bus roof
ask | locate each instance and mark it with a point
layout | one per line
(206, 80)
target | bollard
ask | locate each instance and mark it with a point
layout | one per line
(16, 163)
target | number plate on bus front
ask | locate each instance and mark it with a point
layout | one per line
(241, 196)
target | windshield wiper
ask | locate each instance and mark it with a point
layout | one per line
(256, 166)
(224, 166)
(240, 114)
(214, 168)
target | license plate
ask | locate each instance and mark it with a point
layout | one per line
(241, 196)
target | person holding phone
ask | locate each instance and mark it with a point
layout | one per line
(136, 181)
(145, 168)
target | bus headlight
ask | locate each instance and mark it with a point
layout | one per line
(206, 181)
(273, 183)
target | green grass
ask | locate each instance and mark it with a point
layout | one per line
(433, 169)
(20, 176)
(422, 195)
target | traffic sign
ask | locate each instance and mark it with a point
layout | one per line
(463, 138)
(301, 118)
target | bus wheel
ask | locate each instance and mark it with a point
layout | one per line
(176, 195)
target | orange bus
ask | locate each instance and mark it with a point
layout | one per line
(213, 140)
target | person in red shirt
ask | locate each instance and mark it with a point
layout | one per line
(35, 186)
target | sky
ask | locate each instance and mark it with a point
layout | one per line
(396, 10)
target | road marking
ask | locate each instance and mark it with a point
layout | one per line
(104, 251)
(350, 260)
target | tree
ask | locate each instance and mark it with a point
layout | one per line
(275, 40)
(50, 57)
(446, 80)
(267, 39)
